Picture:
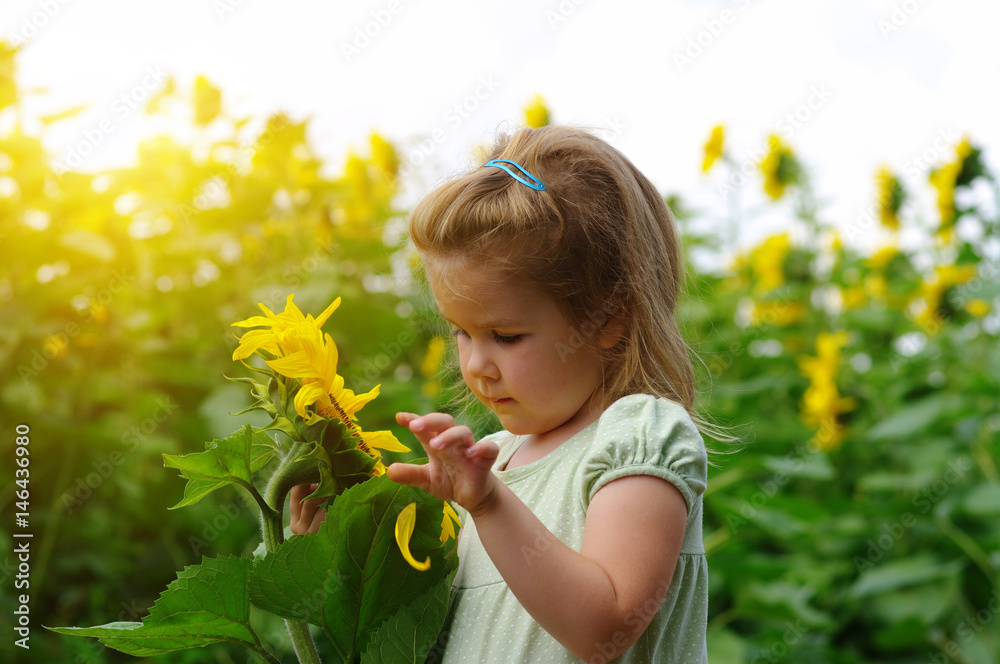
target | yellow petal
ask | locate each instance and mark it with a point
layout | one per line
(326, 314)
(405, 523)
(291, 312)
(296, 365)
(255, 321)
(448, 522)
(348, 400)
(307, 395)
(384, 440)
(251, 341)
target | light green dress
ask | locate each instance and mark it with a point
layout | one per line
(637, 435)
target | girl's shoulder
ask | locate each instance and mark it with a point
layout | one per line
(641, 434)
(645, 411)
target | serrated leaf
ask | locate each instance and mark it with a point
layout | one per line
(232, 460)
(350, 578)
(409, 635)
(205, 604)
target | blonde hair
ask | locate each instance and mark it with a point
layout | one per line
(599, 239)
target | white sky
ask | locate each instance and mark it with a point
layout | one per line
(605, 63)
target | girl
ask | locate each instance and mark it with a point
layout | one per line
(558, 266)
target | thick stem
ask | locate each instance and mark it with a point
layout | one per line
(302, 641)
(273, 526)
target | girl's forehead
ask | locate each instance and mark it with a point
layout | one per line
(469, 288)
(458, 276)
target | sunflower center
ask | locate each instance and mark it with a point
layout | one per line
(335, 410)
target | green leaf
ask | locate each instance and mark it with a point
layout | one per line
(926, 604)
(726, 647)
(813, 466)
(229, 461)
(915, 418)
(205, 604)
(896, 574)
(782, 601)
(350, 578)
(411, 633)
(983, 500)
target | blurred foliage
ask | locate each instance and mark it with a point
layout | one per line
(859, 523)
(117, 290)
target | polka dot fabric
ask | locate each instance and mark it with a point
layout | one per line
(637, 435)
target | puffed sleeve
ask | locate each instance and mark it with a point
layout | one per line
(644, 435)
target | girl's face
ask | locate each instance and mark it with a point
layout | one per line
(518, 353)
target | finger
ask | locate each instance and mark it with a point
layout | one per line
(403, 418)
(310, 517)
(460, 436)
(299, 492)
(410, 474)
(427, 426)
(317, 519)
(485, 450)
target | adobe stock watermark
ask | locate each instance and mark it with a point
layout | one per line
(918, 165)
(925, 499)
(391, 351)
(214, 190)
(988, 272)
(33, 24)
(778, 651)
(275, 640)
(229, 513)
(435, 651)
(952, 650)
(453, 118)
(544, 540)
(637, 620)
(224, 7)
(314, 601)
(915, 168)
(105, 466)
(56, 343)
(562, 12)
(787, 125)
(779, 306)
(792, 463)
(795, 119)
(580, 336)
(121, 108)
(611, 128)
(899, 15)
(370, 30)
(700, 42)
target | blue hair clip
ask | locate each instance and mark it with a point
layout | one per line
(532, 182)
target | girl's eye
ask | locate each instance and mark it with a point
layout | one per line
(457, 332)
(505, 339)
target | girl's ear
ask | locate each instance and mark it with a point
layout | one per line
(613, 330)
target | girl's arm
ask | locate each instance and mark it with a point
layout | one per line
(594, 602)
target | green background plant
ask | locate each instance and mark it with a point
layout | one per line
(117, 290)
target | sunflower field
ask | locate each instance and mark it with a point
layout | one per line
(856, 519)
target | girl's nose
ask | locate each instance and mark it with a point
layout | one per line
(479, 364)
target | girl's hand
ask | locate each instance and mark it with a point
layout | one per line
(308, 515)
(458, 468)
